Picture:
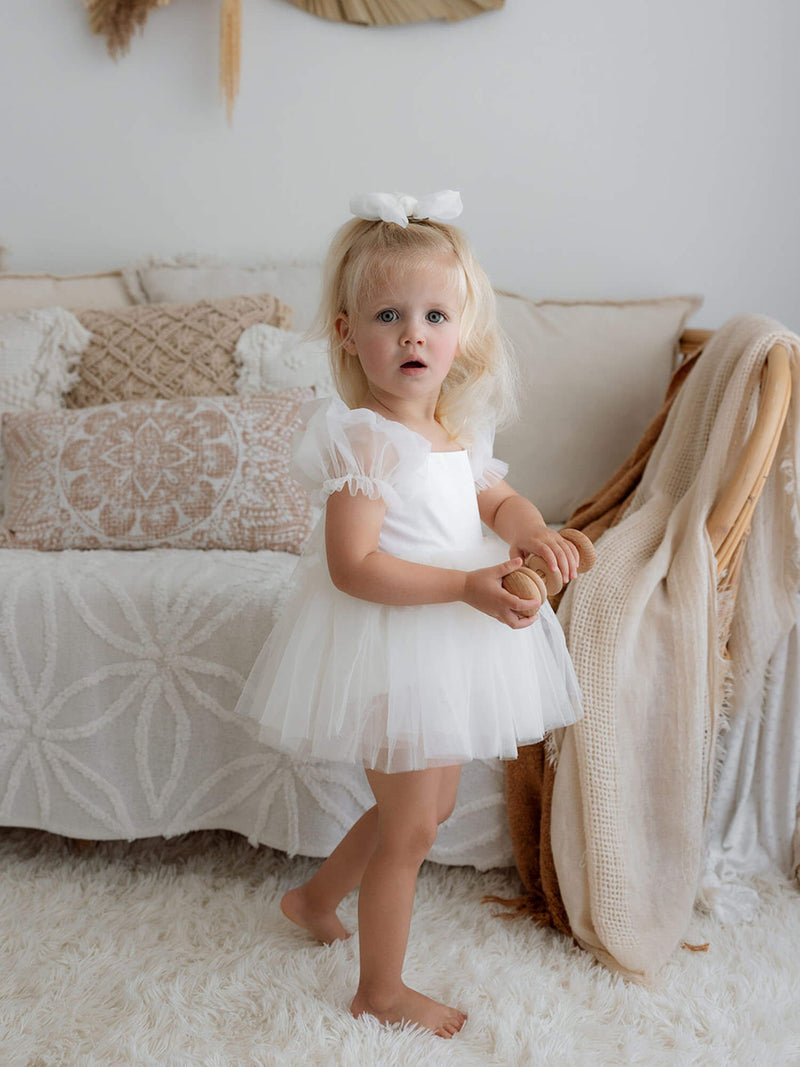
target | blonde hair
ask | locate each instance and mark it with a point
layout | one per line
(361, 256)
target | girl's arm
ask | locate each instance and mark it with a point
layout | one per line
(352, 528)
(521, 525)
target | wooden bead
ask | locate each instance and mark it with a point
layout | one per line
(527, 585)
(553, 581)
(535, 581)
(584, 546)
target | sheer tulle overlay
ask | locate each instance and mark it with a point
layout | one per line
(403, 688)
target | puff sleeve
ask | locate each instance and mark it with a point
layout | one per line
(486, 470)
(357, 448)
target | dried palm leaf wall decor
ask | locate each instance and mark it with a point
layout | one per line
(118, 20)
(392, 12)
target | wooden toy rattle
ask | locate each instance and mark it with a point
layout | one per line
(535, 581)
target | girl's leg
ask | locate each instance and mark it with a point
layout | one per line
(408, 809)
(313, 905)
(448, 791)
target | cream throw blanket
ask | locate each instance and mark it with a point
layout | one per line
(635, 776)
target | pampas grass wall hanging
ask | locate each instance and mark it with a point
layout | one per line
(230, 53)
(118, 20)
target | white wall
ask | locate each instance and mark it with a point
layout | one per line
(623, 148)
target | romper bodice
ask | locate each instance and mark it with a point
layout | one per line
(441, 516)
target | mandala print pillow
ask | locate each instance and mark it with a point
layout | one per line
(199, 472)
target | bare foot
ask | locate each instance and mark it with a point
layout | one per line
(324, 925)
(413, 1007)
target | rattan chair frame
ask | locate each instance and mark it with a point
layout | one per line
(729, 522)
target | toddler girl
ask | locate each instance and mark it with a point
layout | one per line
(399, 648)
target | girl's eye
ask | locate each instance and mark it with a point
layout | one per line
(435, 317)
(389, 315)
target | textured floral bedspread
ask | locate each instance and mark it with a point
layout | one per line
(118, 675)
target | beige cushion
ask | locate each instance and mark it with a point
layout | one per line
(192, 473)
(593, 375)
(168, 350)
(190, 278)
(72, 291)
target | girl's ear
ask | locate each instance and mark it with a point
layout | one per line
(342, 327)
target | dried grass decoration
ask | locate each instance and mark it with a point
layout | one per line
(230, 53)
(118, 20)
(391, 12)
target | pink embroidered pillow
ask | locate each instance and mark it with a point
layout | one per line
(197, 472)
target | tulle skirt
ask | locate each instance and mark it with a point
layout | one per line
(406, 688)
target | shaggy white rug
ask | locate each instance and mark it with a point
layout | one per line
(173, 952)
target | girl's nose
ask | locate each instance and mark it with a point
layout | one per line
(413, 335)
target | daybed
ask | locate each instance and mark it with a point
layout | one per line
(119, 668)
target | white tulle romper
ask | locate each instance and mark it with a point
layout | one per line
(409, 687)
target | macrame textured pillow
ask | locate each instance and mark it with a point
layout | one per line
(191, 473)
(163, 351)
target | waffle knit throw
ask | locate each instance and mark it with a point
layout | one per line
(633, 780)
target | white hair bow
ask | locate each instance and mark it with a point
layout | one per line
(397, 208)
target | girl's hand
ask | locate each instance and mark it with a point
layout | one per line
(557, 552)
(483, 590)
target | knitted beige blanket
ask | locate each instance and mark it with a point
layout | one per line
(635, 776)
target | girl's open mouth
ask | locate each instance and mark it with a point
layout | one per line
(413, 364)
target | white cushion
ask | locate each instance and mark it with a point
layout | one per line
(270, 360)
(185, 279)
(593, 375)
(40, 352)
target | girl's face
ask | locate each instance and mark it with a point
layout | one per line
(406, 334)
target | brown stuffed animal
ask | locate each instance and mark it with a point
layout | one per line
(535, 581)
